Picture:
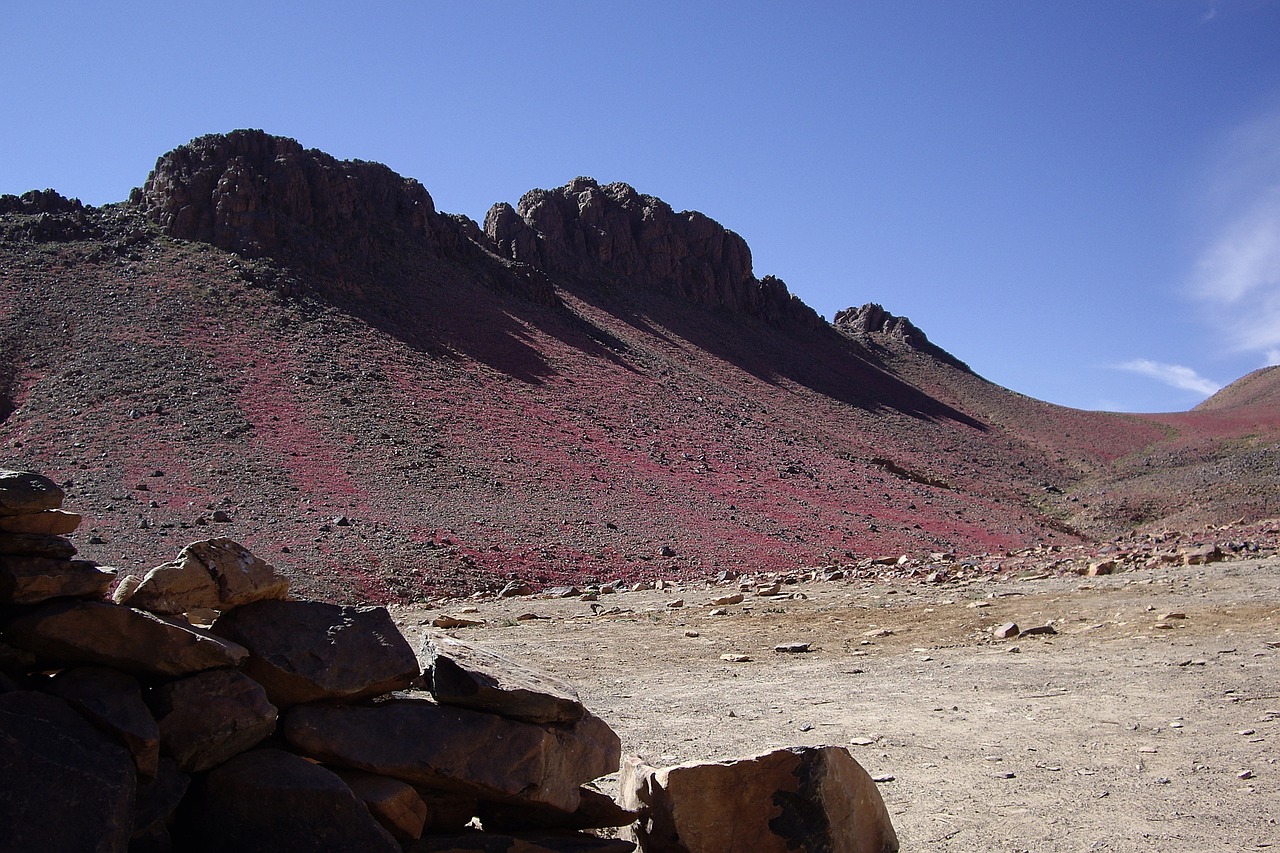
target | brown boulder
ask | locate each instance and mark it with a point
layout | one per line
(53, 522)
(65, 785)
(269, 800)
(209, 717)
(217, 574)
(455, 749)
(23, 493)
(95, 632)
(800, 798)
(305, 651)
(31, 580)
(460, 673)
(112, 701)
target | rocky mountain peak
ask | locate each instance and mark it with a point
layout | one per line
(611, 232)
(872, 321)
(258, 194)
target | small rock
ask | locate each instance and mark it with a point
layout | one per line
(791, 648)
(1101, 567)
(446, 621)
(1005, 631)
(731, 658)
(515, 588)
(725, 600)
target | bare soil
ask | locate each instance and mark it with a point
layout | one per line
(1149, 721)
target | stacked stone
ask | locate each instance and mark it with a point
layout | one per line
(306, 726)
(283, 725)
(35, 558)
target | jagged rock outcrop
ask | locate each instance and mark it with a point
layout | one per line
(258, 194)
(871, 320)
(586, 230)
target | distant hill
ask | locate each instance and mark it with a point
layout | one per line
(386, 400)
(1259, 389)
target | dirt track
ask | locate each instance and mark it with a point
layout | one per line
(1124, 731)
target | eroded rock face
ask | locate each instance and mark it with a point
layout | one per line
(308, 651)
(259, 194)
(801, 798)
(587, 230)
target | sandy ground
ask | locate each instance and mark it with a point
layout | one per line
(1149, 721)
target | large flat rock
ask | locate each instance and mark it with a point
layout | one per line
(31, 580)
(459, 750)
(36, 545)
(53, 522)
(23, 492)
(308, 651)
(97, 632)
(460, 673)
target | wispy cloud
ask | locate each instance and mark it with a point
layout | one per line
(1172, 374)
(1238, 272)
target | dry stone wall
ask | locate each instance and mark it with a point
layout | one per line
(198, 708)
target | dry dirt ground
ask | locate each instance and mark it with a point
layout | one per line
(1150, 721)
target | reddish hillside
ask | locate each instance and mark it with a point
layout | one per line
(386, 400)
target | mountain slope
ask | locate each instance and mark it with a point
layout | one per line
(386, 400)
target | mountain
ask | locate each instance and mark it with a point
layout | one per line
(387, 401)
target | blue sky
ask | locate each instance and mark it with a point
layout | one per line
(1081, 200)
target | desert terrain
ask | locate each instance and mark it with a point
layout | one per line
(1149, 721)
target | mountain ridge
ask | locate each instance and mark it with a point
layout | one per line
(589, 385)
